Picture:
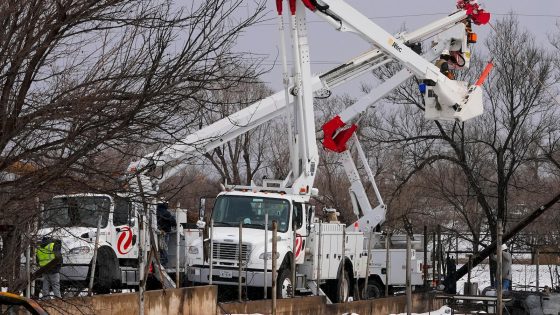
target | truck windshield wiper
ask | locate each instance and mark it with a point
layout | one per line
(224, 224)
(258, 225)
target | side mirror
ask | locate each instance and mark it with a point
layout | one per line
(200, 224)
(310, 227)
(131, 221)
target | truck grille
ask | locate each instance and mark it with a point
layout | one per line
(227, 251)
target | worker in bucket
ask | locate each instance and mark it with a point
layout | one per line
(49, 256)
(443, 63)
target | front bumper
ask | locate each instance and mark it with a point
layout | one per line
(74, 272)
(249, 277)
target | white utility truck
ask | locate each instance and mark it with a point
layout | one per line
(327, 255)
(74, 219)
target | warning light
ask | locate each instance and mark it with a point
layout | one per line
(471, 38)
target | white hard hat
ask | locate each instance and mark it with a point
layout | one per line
(445, 52)
(504, 247)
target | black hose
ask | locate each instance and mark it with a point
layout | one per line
(320, 7)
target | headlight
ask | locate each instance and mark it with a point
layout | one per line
(193, 250)
(268, 255)
(79, 250)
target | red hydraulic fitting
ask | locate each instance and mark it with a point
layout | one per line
(474, 11)
(337, 143)
(279, 6)
(293, 7)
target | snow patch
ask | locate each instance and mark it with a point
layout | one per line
(442, 311)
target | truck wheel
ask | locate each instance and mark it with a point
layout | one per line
(104, 271)
(284, 287)
(373, 291)
(343, 287)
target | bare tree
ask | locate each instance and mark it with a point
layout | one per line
(483, 161)
(239, 160)
(80, 78)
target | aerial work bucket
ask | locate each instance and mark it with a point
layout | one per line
(454, 102)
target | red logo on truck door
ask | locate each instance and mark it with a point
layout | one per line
(124, 244)
(299, 241)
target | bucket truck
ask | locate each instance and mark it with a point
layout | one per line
(326, 255)
(342, 265)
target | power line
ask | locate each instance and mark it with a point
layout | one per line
(423, 14)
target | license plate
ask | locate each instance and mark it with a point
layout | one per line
(226, 274)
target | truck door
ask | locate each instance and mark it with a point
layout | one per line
(125, 236)
(299, 225)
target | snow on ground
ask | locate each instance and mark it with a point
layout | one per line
(442, 311)
(523, 277)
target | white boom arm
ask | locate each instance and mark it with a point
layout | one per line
(458, 101)
(226, 129)
(453, 38)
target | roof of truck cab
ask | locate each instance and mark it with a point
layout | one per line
(266, 194)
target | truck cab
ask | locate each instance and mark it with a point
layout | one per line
(250, 208)
(73, 219)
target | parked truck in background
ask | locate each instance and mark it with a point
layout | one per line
(73, 219)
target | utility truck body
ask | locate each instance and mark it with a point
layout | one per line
(74, 219)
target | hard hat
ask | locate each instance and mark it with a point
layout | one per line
(504, 247)
(445, 52)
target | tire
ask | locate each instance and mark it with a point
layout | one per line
(373, 290)
(284, 287)
(104, 271)
(342, 287)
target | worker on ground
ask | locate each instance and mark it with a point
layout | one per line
(49, 256)
(451, 269)
(443, 63)
(166, 224)
(506, 268)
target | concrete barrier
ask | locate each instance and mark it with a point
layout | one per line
(203, 300)
(316, 305)
(182, 301)
(297, 306)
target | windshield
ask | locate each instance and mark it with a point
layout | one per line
(230, 210)
(76, 211)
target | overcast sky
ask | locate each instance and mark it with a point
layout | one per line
(329, 48)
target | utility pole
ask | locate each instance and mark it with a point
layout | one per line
(28, 270)
(274, 273)
(409, 237)
(240, 263)
(265, 252)
(94, 259)
(387, 262)
(425, 263)
(439, 254)
(499, 302)
(211, 258)
(319, 259)
(538, 267)
(408, 283)
(366, 295)
(178, 245)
